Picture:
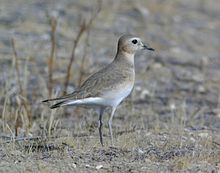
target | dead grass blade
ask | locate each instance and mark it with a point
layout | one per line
(15, 56)
(83, 28)
(82, 66)
(18, 119)
(53, 23)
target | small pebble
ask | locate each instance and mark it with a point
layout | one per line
(99, 167)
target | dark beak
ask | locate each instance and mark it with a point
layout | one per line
(148, 48)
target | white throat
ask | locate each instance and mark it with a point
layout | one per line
(129, 57)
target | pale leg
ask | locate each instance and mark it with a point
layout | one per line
(100, 125)
(110, 124)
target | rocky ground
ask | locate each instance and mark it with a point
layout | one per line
(170, 123)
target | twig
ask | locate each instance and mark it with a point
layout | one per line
(216, 143)
(81, 70)
(42, 147)
(76, 41)
(13, 139)
(83, 28)
(53, 23)
(16, 66)
(3, 112)
(18, 120)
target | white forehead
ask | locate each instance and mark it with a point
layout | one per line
(127, 39)
(134, 38)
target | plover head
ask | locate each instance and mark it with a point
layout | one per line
(130, 44)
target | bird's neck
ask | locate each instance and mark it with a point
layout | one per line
(125, 57)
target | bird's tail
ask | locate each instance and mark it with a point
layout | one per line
(49, 100)
(59, 104)
(71, 95)
(66, 102)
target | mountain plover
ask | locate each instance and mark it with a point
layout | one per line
(109, 86)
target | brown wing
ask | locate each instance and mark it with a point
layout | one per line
(100, 82)
(96, 84)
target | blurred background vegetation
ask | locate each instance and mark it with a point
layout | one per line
(48, 47)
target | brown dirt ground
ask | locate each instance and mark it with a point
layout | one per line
(171, 121)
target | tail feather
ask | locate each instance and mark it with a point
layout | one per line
(71, 95)
(48, 100)
(59, 104)
(83, 102)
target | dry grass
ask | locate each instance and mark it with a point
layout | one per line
(53, 22)
(23, 117)
(170, 124)
(84, 27)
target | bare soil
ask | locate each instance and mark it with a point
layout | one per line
(171, 121)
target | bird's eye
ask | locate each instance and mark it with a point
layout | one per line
(134, 41)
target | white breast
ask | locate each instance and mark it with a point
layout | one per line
(114, 98)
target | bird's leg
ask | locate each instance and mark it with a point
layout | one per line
(100, 125)
(110, 124)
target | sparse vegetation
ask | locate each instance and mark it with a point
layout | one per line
(171, 123)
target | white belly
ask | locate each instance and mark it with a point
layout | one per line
(115, 97)
(111, 98)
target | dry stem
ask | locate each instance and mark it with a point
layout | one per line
(81, 74)
(52, 55)
(83, 28)
(18, 119)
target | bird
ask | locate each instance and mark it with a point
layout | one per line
(109, 86)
